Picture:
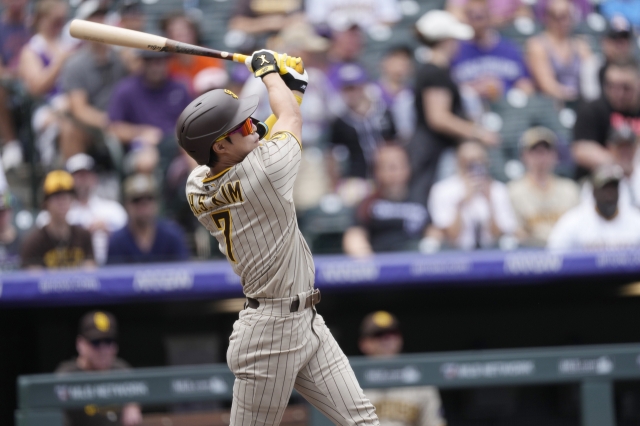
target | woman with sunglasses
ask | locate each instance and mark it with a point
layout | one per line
(555, 57)
(242, 192)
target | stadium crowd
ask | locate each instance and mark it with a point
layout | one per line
(498, 124)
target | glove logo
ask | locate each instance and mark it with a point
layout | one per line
(230, 93)
(264, 60)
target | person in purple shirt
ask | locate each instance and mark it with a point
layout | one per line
(145, 239)
(488, 63)
(143, 110)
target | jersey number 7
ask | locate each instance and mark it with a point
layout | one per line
(222, 220)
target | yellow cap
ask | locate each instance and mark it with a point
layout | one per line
(57, 181)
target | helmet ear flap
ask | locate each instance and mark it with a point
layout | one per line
(261, 127)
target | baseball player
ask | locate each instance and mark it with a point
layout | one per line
(242, 193)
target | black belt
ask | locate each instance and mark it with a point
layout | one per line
(312, 300)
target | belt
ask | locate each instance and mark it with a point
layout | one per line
(312, 300)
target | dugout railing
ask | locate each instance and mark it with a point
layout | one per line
(42, 398)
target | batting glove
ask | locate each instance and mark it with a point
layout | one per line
(294, 80)
(263, 62)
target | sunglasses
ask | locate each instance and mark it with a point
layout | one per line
(138, 200)
(245, 128)
(384, 333)
(99, 342)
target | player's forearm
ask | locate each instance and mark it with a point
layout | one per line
(282, 100)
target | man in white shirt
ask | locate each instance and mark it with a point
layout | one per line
(471, 208)
(605, 225)
(98, 215)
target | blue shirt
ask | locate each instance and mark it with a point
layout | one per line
(503, 61)
(168, 245)
(135, 103)
(12, 38)
(630, 9)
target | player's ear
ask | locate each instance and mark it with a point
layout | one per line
(218, 147)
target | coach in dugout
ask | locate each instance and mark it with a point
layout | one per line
(380, 337)
(97, 351)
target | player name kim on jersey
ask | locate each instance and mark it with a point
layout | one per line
(229, 193)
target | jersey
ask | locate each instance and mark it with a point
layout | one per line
(249, 209)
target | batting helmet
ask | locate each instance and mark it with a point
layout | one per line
(209, 117)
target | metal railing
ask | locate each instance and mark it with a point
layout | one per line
(42, 398)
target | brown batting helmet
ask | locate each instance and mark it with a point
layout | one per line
(209, 117)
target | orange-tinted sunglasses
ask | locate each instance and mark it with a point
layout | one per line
(245, 128)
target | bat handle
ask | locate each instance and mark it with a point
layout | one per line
(291, 61)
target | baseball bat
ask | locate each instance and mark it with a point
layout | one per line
(93, 31)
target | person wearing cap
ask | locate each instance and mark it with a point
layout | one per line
(555, 57)
(471, 208)
(241, 192)
(441, 121)
(10, 238)
(146, 238)
(617, 44)
(143, 108)
(380, 337)
(97, 346)
(88, 79)
(602, 224)
(365, 123)
(58, 244)
(386, 220)
(489, 64)
(540, 197)
(619, 106)
(257, 19)
(622, 144)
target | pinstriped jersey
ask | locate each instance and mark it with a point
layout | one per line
(249, 209)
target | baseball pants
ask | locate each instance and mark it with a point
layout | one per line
(272, 351)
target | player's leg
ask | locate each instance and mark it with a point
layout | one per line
(329, 384)
(264, 366)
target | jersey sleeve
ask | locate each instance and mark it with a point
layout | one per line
(281, 156)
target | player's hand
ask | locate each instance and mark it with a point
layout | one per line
(292, 78)
(263, 62)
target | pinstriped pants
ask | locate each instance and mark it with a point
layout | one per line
(271, 351)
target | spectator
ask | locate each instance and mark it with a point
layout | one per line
(380, 337)
(185, 68)
(503, 12)
(555, 57)
(365, 123)
(471, 208)
(92, 212)
(41, 62)
(143, 110)
(132, 17)
(257, 18)
(619, 106)
(13, 36)
(441, 122)
(630, 9)
(88, 79)
(97, 351)
(10, 238)
(386, 220)
(622, 144)
(489, 64)
(98, 215)
(340, 14)
(58, 244)
(540, 197)
(346, 47)
(605, 225)
(145, 239)
(617, 45)
(396, 72)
